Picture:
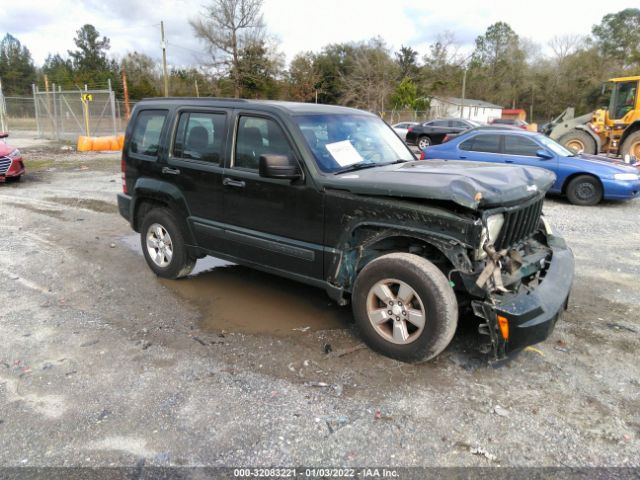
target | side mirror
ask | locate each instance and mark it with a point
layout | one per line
(278, 166)
(543, 154)
(4, 134)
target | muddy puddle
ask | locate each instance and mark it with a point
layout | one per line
(233, 298)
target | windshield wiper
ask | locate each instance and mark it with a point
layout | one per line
(361, 166)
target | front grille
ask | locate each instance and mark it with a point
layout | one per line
(519, 224)
(5, 163)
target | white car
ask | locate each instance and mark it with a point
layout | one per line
(402, 127)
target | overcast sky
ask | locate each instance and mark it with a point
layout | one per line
(49, 26)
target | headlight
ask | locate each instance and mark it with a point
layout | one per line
(490, 234)
(14, 154)
(547, 226)
(626, 176)
(494, 225)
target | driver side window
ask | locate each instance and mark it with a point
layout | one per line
(258, 136)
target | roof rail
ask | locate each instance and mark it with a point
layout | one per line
(226, 99)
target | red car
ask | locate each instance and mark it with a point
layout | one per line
(11, 164)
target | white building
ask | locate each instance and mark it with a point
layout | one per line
(471, 109)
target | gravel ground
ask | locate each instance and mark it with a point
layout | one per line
(102, 364)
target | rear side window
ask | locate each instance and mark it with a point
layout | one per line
(146, 132)
(259, 136)
(200, 136)
(482, 143)
(517, 145)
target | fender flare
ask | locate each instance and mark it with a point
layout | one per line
(161, 192)
(347, 262)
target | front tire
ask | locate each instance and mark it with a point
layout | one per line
(163, 245)
(631, 145)
(404, 307)
(584, 190)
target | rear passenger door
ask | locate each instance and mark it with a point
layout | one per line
(195, 165)
(270, 222)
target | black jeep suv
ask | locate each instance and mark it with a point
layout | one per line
(330, 196)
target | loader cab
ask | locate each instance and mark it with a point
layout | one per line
(624, 104)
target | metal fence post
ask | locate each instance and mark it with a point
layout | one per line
(37, 110)
(113, 108)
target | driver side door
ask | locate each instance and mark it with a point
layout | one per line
(270, 222)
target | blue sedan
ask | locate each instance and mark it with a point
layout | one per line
(584, 179)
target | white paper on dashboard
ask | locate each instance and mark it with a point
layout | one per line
(344, 153)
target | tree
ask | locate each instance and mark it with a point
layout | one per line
(259, 65)
(407, 60)
(406, 97)
(372, 78)
(498, 65)
(333, 64)
(59, 71)
(143, 78)
(442, 70)
(618, 36)
(90, 62)
(304, 77)
(16, 66)
(228, 28)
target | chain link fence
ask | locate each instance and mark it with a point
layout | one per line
(395, 116)
(64, 114)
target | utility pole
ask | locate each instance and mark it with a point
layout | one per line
(164, 60)
(464, 87)
(125, 89)
(197, 90)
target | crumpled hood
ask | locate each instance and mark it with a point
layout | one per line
(470, 184)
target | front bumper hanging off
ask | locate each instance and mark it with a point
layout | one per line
(531, 315)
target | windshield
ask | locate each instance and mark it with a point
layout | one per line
(340, 141)
(555, 147)
(623, 99)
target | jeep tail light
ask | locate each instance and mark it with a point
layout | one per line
(421, 154)
(123, 167)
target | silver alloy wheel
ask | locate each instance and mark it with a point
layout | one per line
(159, 245)
(395, 311)
(423, 143)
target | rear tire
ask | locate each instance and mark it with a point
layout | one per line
(631, 145)
(578, 140)
(424, 309)
(584, 190)
(423, 142)
(163, 245)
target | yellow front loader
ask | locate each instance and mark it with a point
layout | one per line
(612, 130)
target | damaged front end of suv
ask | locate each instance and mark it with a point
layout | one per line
(521, 278)
(481, 225)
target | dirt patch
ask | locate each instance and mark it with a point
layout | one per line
(233, 298)
(87, 203)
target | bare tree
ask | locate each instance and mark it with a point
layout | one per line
(229, 27)
(564, 45)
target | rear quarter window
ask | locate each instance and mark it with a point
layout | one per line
(145, 139)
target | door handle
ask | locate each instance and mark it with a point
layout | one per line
(170, 171)
(230, 182)
(508, 161)
(463, 157)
